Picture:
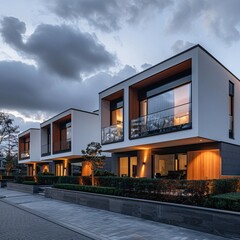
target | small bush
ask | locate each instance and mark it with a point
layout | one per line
(221, 186)
(227, 201)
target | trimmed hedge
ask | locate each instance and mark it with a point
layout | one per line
(194, 192)
(21, 179)
(92, 189)
(227, 201)
(47, 179)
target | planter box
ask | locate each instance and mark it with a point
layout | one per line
(218, 222)
(23, 187)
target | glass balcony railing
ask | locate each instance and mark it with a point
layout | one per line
(45, 150)
(25, 154)
(112, 134)
(169, 120)
(62, 146)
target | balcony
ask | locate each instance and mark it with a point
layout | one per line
(62, 146)
(25, 154)
(112, 134)
(45, 150)
(166, 121)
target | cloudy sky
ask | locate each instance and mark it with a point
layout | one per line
(59, 54)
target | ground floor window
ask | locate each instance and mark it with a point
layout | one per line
(164, 165)
(128, 166)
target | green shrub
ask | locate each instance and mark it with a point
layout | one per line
(21, 179)
(227, 201)
(92, 189)
(221, 186)
(69, 179)
(29, 182)
(47, 180)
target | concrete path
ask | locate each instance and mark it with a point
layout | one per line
(94, 223)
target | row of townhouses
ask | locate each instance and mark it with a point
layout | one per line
(179, 118)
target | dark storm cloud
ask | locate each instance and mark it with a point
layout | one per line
(58, 49)
(26, 89)
(109, 15)
(12, 30)
(219, 17)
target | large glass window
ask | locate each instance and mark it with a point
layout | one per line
(128, 166)
(169, 164)
(65, 136)
(117, 112)
(171, 103)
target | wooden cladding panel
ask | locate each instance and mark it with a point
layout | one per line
(114, 96)
(86, 168)
(164, 74)
(204, 165)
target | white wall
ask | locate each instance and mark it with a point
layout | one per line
(84, 130)
(35, 145)
(214, 100)
(164, 137)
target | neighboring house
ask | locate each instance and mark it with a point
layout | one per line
(64, 136)
(179, 118)
(29, 150)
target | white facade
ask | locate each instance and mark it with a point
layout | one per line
(33, 152)
(84, 129)
(210, 104)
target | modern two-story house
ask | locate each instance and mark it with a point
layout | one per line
(29, 150)
(180, 117)
(64, 136)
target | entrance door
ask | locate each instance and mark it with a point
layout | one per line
(128, 166)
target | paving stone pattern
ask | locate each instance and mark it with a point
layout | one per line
(99, 223)
(21, 225)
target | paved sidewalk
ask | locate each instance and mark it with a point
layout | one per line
(99, 224)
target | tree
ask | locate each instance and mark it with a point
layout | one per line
(93, 157)
(9, 141)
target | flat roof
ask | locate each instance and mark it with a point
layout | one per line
(187, 50)
(74, 109)
(25, 132)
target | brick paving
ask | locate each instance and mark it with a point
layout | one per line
(94, 223)
(21, 225)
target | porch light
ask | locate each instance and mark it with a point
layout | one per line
(143, 163)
